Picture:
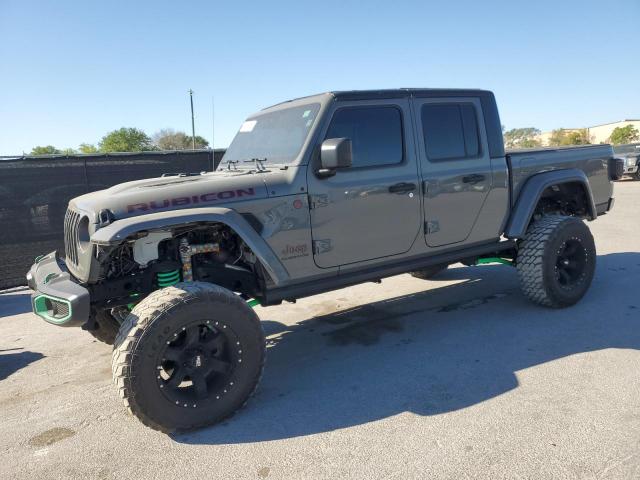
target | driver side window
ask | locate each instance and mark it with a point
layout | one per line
(375, 133)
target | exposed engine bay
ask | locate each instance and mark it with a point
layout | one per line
(158, 259)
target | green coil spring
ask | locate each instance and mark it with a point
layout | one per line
(167, 279)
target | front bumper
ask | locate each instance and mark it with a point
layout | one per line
(57, 298)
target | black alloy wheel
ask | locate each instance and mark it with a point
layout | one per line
(570, 263)
(198, 363)
(556, 261)
(188, 356)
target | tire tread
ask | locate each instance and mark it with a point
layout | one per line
(530, 260)
(141, 317)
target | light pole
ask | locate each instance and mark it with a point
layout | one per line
(193, 124)
(213, 135)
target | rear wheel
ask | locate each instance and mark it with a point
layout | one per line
(188, 356)
(556, 261)
(429, 272)
(637, 174)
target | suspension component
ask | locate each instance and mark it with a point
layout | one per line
(187, 251)
(167, 279)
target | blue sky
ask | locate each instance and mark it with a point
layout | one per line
(72, 71)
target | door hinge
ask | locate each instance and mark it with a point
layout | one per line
(321, 246)
(318, 201)
(431, 226)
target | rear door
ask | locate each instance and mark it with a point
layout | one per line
(371, 209)
(455, 166)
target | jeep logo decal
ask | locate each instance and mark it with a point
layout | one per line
(182, 201)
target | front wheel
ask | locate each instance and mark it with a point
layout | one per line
(556, 261)
(188, 356)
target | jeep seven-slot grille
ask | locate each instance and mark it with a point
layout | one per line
(71, 222)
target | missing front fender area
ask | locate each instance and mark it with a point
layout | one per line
(212, 253)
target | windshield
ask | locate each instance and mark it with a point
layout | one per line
(276, 136)
(631, 148)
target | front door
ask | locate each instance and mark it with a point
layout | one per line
(455, 167)
(371, 209)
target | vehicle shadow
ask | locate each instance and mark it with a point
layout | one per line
(428, 353)
(14, 304)
(10, 363)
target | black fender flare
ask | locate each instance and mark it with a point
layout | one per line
(531, 192)
(119, 230)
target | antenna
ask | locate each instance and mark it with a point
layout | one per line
(213, 126)
(193, 124)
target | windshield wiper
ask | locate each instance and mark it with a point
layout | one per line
(228, 163)
(259, 163)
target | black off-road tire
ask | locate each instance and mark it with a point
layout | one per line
(159, 320)
(429, 272)
(106, 328)
(636, 175)
(556, 261)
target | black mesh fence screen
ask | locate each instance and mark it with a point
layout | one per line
(34, 192)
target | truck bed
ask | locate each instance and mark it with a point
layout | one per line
(591, 159)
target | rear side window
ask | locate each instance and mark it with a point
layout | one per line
(375, 133)
(450, 131)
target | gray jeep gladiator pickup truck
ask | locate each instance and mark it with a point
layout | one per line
(312, 195)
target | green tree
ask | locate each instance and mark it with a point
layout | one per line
(87, 148)
(626, 134)
(68, 151)
(126, 140)
(522, 137)
(169, 139)
(530, 143)
(201, 142)
(46, 150)
(558, 137)
(579, 137)
(563, 137)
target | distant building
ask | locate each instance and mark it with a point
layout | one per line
(597, 133)
(601, 133)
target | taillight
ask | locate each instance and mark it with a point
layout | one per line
(616, 168)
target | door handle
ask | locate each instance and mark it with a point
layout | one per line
(402, 187)
(475, 178)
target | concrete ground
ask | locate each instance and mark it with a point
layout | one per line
(459, 377)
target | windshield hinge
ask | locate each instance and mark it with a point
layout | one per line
(318, 201)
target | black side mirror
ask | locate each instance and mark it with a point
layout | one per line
(334, 153)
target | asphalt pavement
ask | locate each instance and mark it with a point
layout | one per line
(458, 377)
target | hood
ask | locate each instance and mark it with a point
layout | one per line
(172, 193)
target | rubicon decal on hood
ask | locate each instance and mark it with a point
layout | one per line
(192, 200)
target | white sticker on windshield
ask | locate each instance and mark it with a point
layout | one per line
(248, 126)
(306, 113)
